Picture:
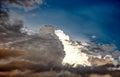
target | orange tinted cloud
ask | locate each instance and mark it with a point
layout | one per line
(5, 53)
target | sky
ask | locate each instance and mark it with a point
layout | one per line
(96, 20)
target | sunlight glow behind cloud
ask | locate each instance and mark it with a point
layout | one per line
(73, 56)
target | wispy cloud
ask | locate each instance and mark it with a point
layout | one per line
(26, 4)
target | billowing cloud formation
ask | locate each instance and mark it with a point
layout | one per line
(72, 50)
(26, 4)
(87, 53)
(45, 54)
(10, 22)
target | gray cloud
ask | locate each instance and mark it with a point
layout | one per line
(26, 4)
(99, 62)
(45, 55)
(101, 54)
(101, 49)
(6, 53)
(10, 21)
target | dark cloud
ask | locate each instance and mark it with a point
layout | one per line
(15, 64)
(45, 50)
(10, 22)
(41, 45)
(101, 49)
(44, 56)
(5, 53)
(99, 62)
(26, 4)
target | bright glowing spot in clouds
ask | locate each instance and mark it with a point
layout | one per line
(93, 37)
(72, 49)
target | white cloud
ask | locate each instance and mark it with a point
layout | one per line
(72, 49)
(86, 53)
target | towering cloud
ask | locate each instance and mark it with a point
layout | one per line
(72, 49)
(87, 53)
(45, 56)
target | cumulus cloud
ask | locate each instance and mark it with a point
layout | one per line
(87, 53)
(26, 4)
(11, 22)
(73, 56)
(46, 54)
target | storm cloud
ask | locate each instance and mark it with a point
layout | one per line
(42, 55)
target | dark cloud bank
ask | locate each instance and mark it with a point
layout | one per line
(41, 54)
